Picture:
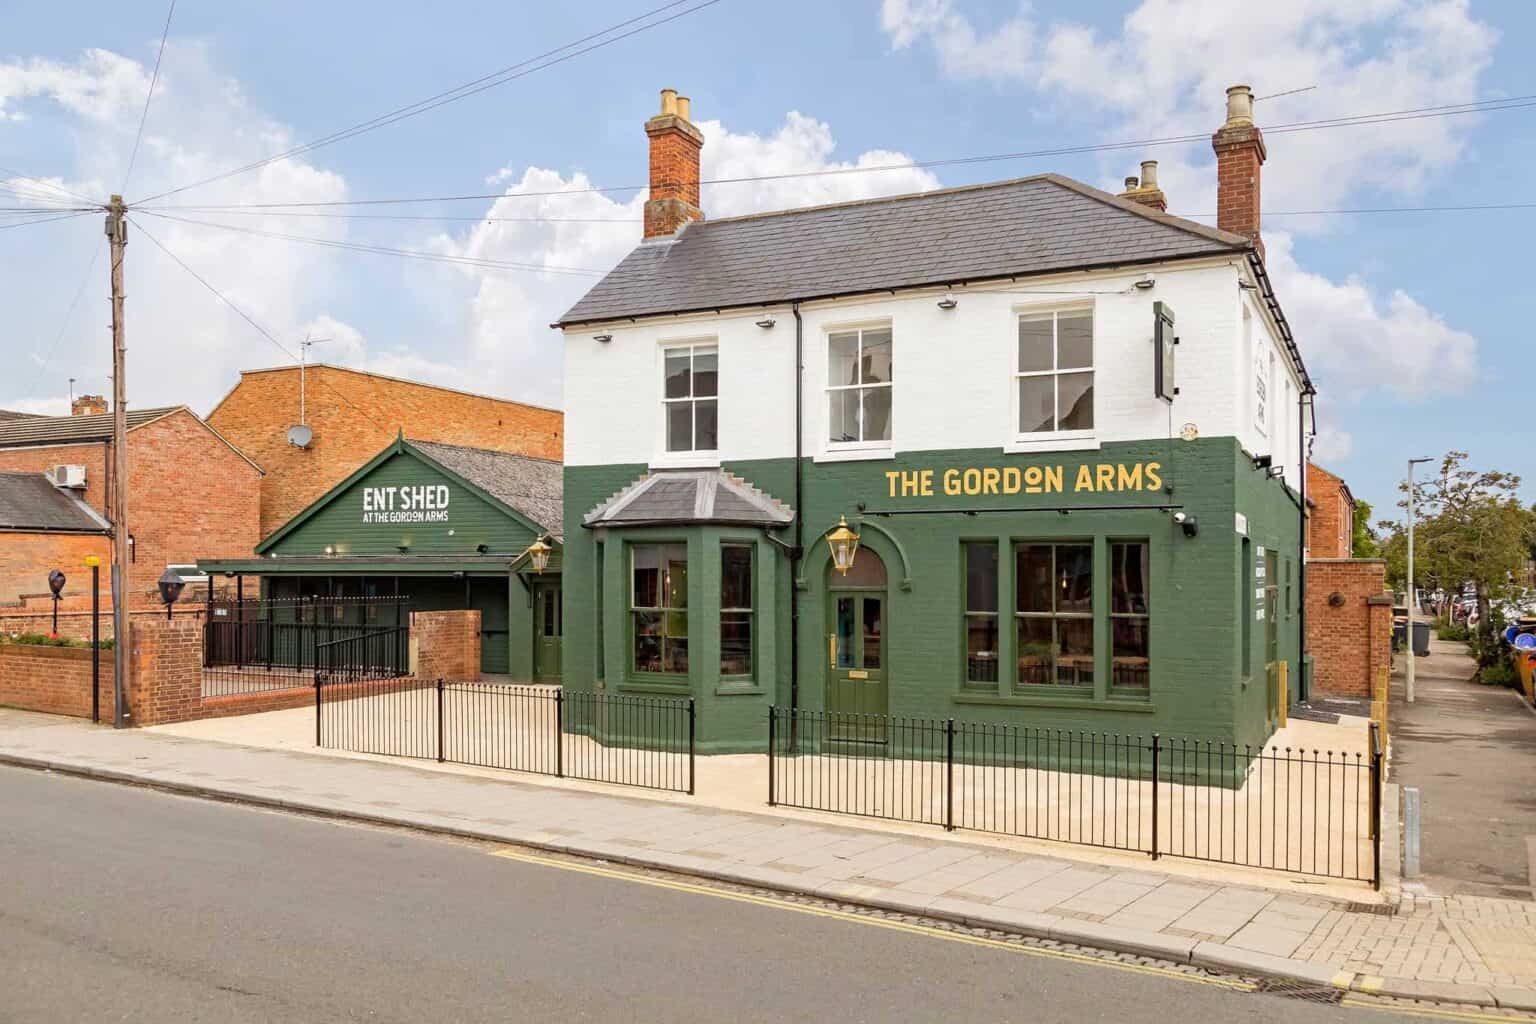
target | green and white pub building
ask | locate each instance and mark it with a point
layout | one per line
(1065, 429)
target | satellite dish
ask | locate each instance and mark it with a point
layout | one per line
(299, 435)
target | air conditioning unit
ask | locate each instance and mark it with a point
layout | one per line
(69, 476)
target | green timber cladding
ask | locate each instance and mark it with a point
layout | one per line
(445, 526)
(1208, 675)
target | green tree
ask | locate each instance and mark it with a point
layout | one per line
(1365, 543)
(1473, 529)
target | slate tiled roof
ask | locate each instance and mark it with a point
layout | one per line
(690, 496)
(532, 486)
(12, 414)
(1025, 226)
(28, 501)
(30, 430)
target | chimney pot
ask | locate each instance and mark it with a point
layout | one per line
(669, 101)
(1239, 107)
(1131, 183)
(1149, 174)
(685, 108)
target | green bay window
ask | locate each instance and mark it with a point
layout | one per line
(1129, 617)
(981, 616)
(736, 610)
(1053, 612)
(659, 608)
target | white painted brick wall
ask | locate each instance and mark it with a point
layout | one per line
(953, 370)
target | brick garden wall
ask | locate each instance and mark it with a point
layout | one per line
(166, 672)
(53, 680)
(448, 644)
(1349, 636)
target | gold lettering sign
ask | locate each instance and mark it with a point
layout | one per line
(1104, 478)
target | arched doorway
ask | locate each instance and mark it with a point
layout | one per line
(857, 662)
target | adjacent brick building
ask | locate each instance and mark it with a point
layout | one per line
(1349, 625)
(191, 495)
(1331, 515)
(352, 415)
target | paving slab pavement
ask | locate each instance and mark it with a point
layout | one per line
(1465, 949)
(1471, 751)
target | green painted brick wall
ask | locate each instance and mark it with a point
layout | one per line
(1197, 687)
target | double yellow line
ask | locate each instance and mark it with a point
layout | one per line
(930, 932)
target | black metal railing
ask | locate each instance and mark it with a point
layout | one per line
(1306, 811)
(625, 740)
(263, 654)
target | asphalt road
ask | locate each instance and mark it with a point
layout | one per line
(120, 904)
(1471, 751)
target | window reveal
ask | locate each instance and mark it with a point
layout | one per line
(659, 607)
(859, 386)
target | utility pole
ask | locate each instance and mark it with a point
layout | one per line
(1412, 593)
(117, 239)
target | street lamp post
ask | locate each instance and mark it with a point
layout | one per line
(1411, 595)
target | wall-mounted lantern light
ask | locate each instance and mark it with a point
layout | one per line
(948, 301)
(602, 339)
(844, 544)
(538, 554)
(766, 322)
(171, 585)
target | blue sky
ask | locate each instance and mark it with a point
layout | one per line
(1414, 325)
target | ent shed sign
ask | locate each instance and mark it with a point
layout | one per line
(411, 503)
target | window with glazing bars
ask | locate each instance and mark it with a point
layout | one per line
(1053, 611)
(691, 398)
(859, 386)
(981, 616)
(736, 610)
(1130, 618)
(659, 607)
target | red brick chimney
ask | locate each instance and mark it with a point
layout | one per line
(675, 146)
(1145, 190)
(1240, 154)
(88, 405)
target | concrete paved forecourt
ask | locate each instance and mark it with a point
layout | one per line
(130, 905)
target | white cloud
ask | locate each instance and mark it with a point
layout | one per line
(1356, 343)
(1165, 73)
(184, 345)
(511, 340)
(1332, 445)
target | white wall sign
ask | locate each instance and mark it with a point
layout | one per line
(410, 503)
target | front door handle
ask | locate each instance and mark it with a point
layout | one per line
(832, 650)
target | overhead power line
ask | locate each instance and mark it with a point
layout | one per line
(149, 97)
(381, 250)
(225, 211)
(61, 191)
(43, 220)
(1349, 121)
(594, 41)
(247, 318)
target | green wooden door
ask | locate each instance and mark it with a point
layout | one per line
(856, 665)
(546, 632)
(489, 595)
